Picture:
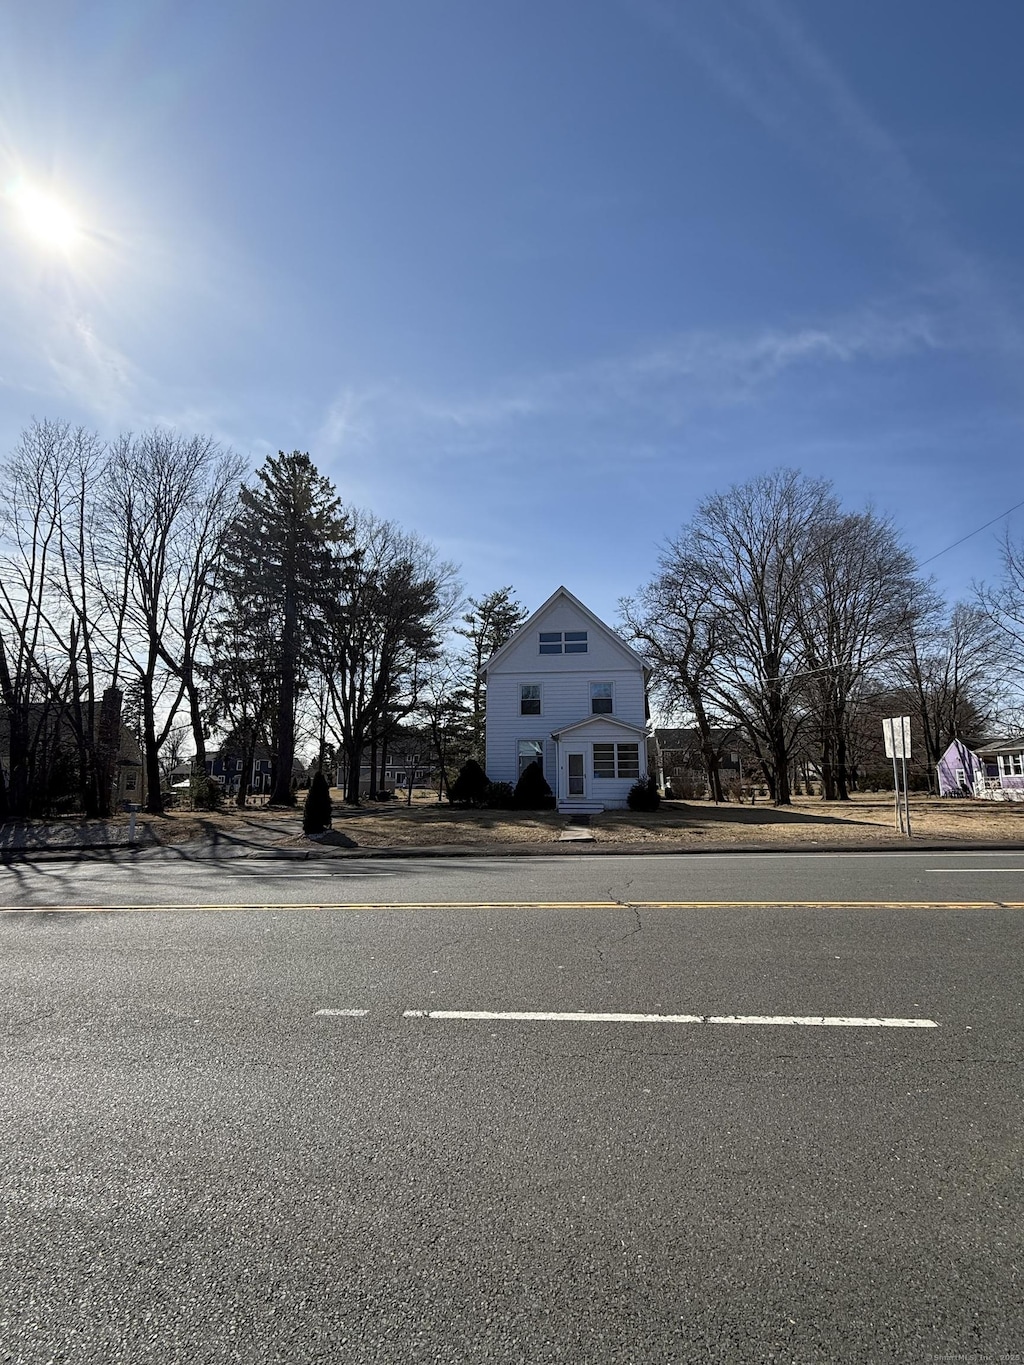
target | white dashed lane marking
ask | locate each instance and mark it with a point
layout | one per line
(609, 1017)
(586, 1017)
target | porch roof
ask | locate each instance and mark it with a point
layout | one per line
(599, 722)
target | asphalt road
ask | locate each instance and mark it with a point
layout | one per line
(256, 1133)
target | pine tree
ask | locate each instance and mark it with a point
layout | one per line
(490, 622)
(316, 812)
(283, 565)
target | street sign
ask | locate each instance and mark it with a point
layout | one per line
(896, 731)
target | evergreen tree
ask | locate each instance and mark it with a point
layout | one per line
(282, 564)
(490, 622)
(532, 790)
(470, 787)
(316, 812)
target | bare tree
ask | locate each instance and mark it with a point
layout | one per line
(443, 702)
(29, 537)
(166, 507)
(855, 611)
(54, 677)
(749, 546)
(952, 676)
(371, 643)
(678, 627)
(1003, 605)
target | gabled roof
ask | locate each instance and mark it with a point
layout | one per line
(1000, 744)
(689, 736)
(601, 720)
(531, 621)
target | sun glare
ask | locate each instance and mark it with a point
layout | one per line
(46, 220)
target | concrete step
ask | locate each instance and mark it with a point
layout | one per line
(573, 806)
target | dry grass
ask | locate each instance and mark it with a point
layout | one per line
(809, 822)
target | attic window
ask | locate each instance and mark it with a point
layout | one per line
(563, 641)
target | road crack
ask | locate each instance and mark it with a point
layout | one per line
(637, 928)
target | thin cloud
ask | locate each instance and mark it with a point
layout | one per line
(762, 59)
(348, 423)
(90, 371)
(691, 372)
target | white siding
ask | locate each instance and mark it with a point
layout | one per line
(564, 681)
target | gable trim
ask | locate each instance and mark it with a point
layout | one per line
(600, 720)
(530, 623)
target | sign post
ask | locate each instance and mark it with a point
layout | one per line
(896, 733)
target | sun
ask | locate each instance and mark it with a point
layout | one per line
(45, 219)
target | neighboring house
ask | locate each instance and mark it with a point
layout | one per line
(993, 769)
(56, 752)
(681, 758)
(226, 766)
(959, 769)
(408, 763)
(568, 693)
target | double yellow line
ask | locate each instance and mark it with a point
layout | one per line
(520, 905)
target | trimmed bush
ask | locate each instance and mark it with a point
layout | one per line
(316, 809)
(532, 791)
(470, 787)
(643, 795)
(500, 796)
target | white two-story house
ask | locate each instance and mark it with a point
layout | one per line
(568, 692)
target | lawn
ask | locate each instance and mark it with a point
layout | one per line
(809, 822)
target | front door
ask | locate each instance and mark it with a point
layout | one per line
(576, 774)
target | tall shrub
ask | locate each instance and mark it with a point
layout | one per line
(316, 810)
(470, 787)
(532, 790)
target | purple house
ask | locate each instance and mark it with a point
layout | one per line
(995, 770)
(958, 769)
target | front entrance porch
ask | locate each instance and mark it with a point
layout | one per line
(597, 759)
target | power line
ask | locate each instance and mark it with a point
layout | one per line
(969, 535)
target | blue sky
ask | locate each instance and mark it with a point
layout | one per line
(531, 278)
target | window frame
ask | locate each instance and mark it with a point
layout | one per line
(610, 699)
(619, 761)
(523, 699)
(563, 642)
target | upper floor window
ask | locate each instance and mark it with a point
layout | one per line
(601, 702)
(563, 642)
(529, 699)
